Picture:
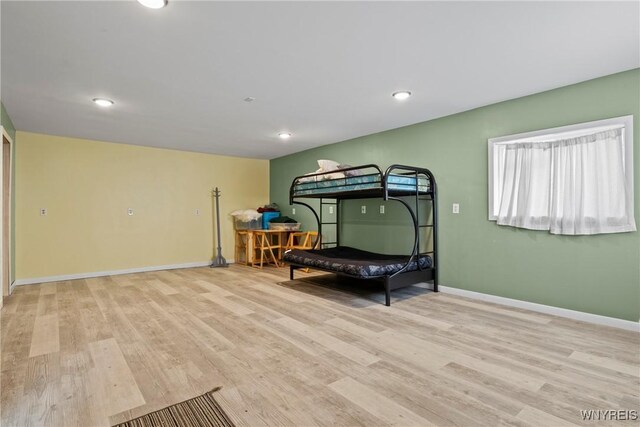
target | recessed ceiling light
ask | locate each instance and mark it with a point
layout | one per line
(153, 4)
(401, 95)
(103, 102)
(284, 135)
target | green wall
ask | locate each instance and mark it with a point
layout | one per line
(6, 122)
(594, 274)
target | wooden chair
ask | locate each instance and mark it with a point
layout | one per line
(302, 240)
(262, 246)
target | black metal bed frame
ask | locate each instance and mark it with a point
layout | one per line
(401, 278)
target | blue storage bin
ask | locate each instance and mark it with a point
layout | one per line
(266, 217)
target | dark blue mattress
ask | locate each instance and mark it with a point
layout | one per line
(359, 183)
(354, 262)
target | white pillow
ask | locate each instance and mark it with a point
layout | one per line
(333, 175)
(310, 178)
(328, 165)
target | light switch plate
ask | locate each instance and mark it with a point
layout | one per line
(363, 209)
(293, 211)
(456, 208)
(382, 209)
(330, 209)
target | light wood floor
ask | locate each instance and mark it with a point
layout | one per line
(100, 351)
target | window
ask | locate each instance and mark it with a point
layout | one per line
(570, 180)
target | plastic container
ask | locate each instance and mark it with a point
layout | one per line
(266, 217)
(254, 224)
(290, 226)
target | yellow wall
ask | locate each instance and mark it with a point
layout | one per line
(87, 187)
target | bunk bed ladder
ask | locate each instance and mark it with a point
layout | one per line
(434, 230)
(424, 227)
(335, 223)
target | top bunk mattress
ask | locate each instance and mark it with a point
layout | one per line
(359, 183)
(354, 262)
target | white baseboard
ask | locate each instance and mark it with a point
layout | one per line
(65, 277)
(546, 309)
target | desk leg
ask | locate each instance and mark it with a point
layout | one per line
(250, 249)
(282, 242)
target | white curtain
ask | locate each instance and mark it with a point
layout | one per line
(525, 189)
(567, 186)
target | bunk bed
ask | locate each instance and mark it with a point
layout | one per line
(410, 186)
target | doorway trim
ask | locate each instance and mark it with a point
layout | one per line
(6, 240)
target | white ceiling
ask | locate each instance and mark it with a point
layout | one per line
(324, 71)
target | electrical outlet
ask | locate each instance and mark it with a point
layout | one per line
(130, 211)
(382, 209)
(293, 211)
(363, 209)
(43, 211)
(197, 212)
(331, 209)
(456, 208)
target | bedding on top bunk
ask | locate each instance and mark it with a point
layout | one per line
(363, 182)
(354, 262)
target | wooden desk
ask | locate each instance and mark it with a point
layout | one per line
(245, 244)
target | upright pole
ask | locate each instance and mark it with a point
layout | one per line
(219, 260)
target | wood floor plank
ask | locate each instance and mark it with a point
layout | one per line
(117, 384)
(227, 304)
(408, 349)
(201, 331)
(426, 321)
(277, 291)
(380, 406)
(497, 309)
(552, 405)
(45, 338)
(537, 417)
(162, 287)
(607, 362)
(341, 347)
(213, 288)
(351, 327)
(48, 288)
(535, 362)
(47, 304)
(458, 401)
(302, 343)
(79, 400)
(41, 390)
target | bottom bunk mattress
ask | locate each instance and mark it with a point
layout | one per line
(354, 262)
